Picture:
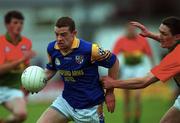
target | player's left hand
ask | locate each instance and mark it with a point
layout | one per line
(110, 100)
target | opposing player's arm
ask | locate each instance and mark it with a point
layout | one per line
(145, 32)
(134, 83)
(154, 36)
(167, 68)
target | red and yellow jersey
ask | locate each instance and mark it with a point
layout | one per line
(9, 53)
(132, 49)
(169, 67)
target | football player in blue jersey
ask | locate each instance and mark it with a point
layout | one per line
(77, 61)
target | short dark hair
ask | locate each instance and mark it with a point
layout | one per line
(13, 14)
(173, 23)
(66, 22)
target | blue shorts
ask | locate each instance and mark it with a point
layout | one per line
(89, 115)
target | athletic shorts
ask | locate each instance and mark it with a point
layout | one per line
(177, 103)
(7, 94)
(133, 71)
(89, 115)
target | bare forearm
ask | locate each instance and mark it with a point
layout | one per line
(4, 68)
(135, 83)
(49, 74)
(154, 36)
(129, 84)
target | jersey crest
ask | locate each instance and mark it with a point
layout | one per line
(57, 62)
(23, 47)
(7, 49)
(79, 59)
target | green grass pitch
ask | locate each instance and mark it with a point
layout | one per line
(152, 110)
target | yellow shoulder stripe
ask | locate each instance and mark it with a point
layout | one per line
(98, 54)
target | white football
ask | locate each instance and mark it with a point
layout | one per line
(33, 78)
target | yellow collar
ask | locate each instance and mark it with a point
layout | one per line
(75, 44)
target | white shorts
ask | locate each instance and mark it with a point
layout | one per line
(7, 94)
(177, 103)
(133, 71)
(89, 115)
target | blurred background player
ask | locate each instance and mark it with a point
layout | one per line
(133, 48)
(77, 63)
(169, 67)
(15, 53)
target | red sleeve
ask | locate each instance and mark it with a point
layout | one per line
(117, 47)
(169, 66)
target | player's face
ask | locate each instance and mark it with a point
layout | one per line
(167, 40)
(15, 26)
(64, 37)
(131, 31)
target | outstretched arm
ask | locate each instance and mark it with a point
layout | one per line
(134, 83)
(145, 32)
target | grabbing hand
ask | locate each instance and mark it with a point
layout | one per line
(107, 82)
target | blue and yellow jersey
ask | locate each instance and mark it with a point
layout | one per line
(79, 71)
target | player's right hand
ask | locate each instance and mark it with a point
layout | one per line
(110, 100)
(144, 31)
(28, 55)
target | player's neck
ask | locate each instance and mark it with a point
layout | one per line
(66, 50)
(131, 36)
(174, 46)
(13, 38)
